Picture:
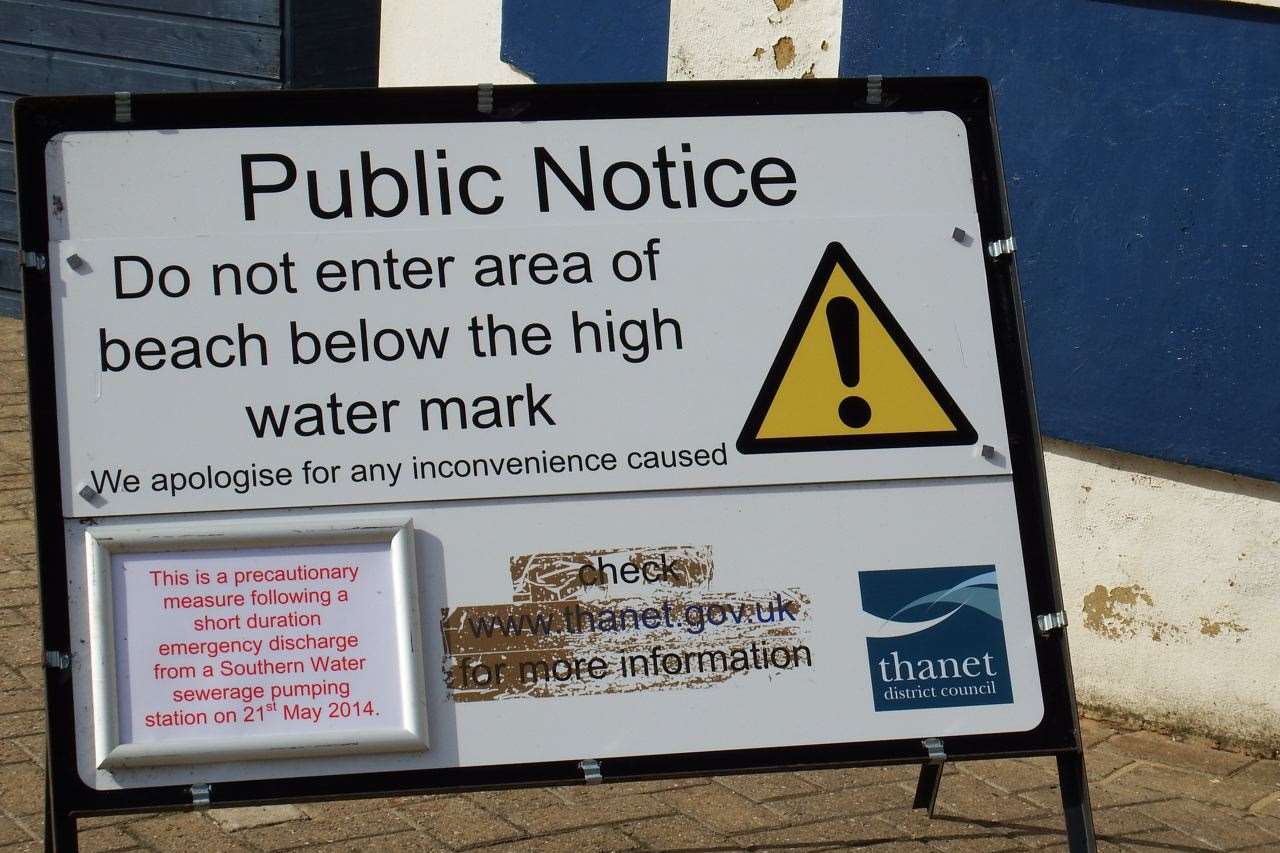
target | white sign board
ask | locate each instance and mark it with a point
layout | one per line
(721, 394)
(254, 644)
(268, 317)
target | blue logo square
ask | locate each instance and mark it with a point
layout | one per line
(936, 638)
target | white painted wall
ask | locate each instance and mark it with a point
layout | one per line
(1171, 574)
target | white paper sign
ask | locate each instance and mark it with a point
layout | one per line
(258, 318)
(244, 651)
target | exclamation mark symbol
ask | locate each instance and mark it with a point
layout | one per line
(842, 320)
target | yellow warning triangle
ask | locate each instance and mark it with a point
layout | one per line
(847, 376)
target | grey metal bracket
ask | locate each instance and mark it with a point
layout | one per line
(201, 795)
(484, 98)
(124, 107)
(57, 660)
(1001, 247)
(33, 260)
(591, 771)
(875, 89)
(930, 775)
(1047, 623)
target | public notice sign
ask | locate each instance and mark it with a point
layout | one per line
(409, 443)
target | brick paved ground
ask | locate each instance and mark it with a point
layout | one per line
(1151, 793)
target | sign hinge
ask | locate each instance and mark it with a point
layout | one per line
(1047, 623)
(875, 89)
(201, 795)
(124, 107)
(484, 98)
(930, 775)
(1001, 247)
(33, 260)
(57, 660)
(591, 771)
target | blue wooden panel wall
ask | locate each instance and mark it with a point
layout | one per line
(65, 47)
(1142, 148)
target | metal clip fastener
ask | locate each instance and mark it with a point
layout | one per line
(1003, 246)
(201, 795)
(591, 771)
(124, 107)
(875, 89)
(936, 751)
(57, 660)
(33, 260)
(484, 98)
(1046, 623)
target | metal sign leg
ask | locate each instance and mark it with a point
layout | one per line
(1075, 803)
(59, 828)
(930, 776)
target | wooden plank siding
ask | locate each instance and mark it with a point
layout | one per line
(62, 47)
(184, 42)
(244, 11)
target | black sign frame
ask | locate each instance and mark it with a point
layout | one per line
(38, 120)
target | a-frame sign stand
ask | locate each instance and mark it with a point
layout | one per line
(72, 792)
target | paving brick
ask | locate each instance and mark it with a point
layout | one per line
(849, 802)
(187, 831)
(21, 723)
(1261, 773)
(458, 822)
(1093, 732)
(1103, 760)
(233, 820)
(834, 780)
(600, 839)
(1150, 746)
(296, 833)
(400, 842)
(1101, 796)
(979, 801)
(677, 832)
(564, 816)
(841, 833)
(721, 809)
(1010, 775)
(11, 831)
(1269, 806)
(501, 802)
(597, 793)
(21, 789)
(1197, 786)
(759, 787)
(1218, 829)
(990, 843)
(105, 839)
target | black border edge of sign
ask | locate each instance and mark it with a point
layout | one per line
(38, 120)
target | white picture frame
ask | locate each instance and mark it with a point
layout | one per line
(111, 753)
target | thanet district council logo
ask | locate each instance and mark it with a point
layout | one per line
(935, 638)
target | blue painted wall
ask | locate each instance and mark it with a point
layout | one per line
(1142, 149)
(579, 41)
(1141, 145)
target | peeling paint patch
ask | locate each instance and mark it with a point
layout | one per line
(784, 52)
(783, 5)
(1113, 614)
(1214, 628)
